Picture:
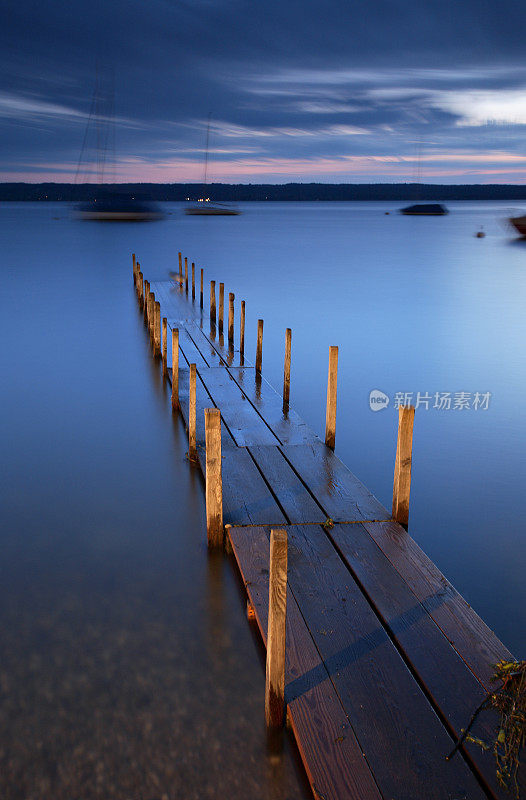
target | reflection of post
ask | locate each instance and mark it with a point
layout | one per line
(165, 344)
(286, 370)
(214, 485)
(213, 303)
(277, 613)
(259, 348)
(201, 297)
(221, 306)
(157, 329)
(193, 281)
(175, 368)
(403, 462)
(134, 268)
(180, 271)
(186, 275)
(192, 421)
(230, 318)
(330, 419)
(242, 332)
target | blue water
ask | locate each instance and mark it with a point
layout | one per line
(127, 667)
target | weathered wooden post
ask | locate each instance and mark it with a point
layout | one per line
(231, 299)
(221, 306)
(330, 417)
(286, 369)
(165, 345)
(259, 348)
(193, 281)
(277, 615)
(186, 274)
(242, 332)
(192, 419)
(151, 315)
(201, 296)
(214, 485)
(145, 300)
(175, 369)
(141, 290)
(403, 461)
(157, 329)
(180, 271)
(213, 303)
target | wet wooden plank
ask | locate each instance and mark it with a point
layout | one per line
(447, 680)
(466, 631)
(242, 419)
(191, 354)
(288, 427)
(246, 498)
(173, 305)
(229, 354)
(293, 497)
(402, 738)
(341, 495)
(331, 754)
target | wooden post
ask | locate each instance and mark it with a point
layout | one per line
(277, 615)
(175, 369)
(151, 314)
(141, 290)
(193, 281)
(145, 300)
(221, 306)
(286, 370)
(201, 296)
(165, 345)
(192, 420)
(180, 271)
(259, 348)
(157, 329)
(214, 485)
(242, 331)
(402, 475)
(330, 417)
(213, 303)
(186, 274)
(231, 299)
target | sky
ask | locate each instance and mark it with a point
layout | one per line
(345, 91)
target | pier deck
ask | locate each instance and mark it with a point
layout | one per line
(385, 661)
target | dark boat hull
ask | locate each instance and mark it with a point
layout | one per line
(519, 223)
(425, 210)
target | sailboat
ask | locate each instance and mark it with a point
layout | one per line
(206, 207)
(423, 209)
(519, 223)
(109, 205)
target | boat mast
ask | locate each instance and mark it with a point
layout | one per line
(206, 147)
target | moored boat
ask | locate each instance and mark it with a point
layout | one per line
(118, 208)
(206, 208)
(425, 210)
(519, 223)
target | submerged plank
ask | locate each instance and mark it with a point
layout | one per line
(331, 754)
(341, 495)
(401, 736)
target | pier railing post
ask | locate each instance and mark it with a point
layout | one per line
(151, 316)
(192, 418)
(141, 289)
(201, 295)
(165, 345)
(403, 461)
(175, 369)
(213, 303)
(221, 306)
(214, 484)
(231, 299)
(157, 329)
(330, 418)
(259, 347)
(286, 369)
(145, 300)
(186, 275)
(242, 332)
(277, 615)
(180, 271)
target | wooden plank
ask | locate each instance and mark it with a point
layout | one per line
(331, 755)
(293, 497)
(467, 632)
(402, 738)
(172, 303)
(230, 355)
(288, 427)
(202, 344)
(453, 689)
(246, 498)
(341, 495)
(191, 354)
(243, 421)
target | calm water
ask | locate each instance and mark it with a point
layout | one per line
(127, 668)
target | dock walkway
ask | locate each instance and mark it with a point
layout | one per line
(385, 661)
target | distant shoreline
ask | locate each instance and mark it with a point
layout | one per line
(180, 192)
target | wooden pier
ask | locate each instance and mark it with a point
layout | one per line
(384, 662)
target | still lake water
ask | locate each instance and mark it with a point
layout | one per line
(127, 667)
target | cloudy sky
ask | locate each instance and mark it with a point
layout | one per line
(334, 91)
